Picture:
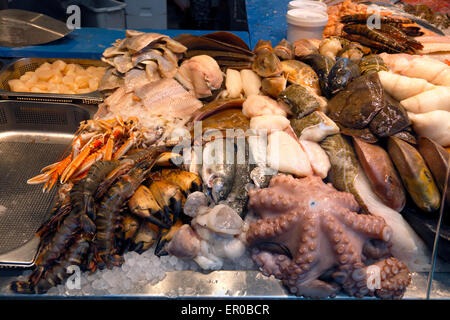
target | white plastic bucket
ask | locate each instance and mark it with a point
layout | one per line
(305, 24)
(307, 4)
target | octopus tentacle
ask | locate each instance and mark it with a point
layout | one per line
(352, 270)
(376, 249)
(267, 228)
(395, 277)
(315, 288)
(372, 226)
(269, 263)
(266, 198)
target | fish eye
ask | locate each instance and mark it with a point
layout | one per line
(312, 203)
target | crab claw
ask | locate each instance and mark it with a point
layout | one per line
(164, 237)
(145, 237)
(169, 159)
(169, 197)
(187, 181)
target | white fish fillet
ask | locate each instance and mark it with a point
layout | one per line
(437, 98)
(402, 87)
(407, 246)
(285, 154)
(233, 83)
(416, 66)
(318, 158)
(269, 123)
(256, 105)
(167, 97)
(434, 44)
(135, 78)
(434, 125)
(251, 82)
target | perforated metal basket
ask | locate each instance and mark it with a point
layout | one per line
(32, 135)
(18, 67)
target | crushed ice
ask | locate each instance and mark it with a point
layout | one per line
(137, 272)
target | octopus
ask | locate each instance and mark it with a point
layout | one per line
(310, 236)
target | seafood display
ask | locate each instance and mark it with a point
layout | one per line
(119, 205)
(320, 161)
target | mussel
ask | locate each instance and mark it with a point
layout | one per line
(353, 51)
(267, 64)
(273, 86)
(314, 127)
(306, 47)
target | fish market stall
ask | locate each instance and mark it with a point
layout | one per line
(170, 163)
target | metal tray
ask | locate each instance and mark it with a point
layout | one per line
(32, 135)
(18, 67)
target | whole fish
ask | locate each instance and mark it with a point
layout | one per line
(218, 168)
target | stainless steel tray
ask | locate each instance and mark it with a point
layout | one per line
(32, 135)
(19, 66)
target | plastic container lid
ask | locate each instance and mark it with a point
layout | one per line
(307, 17)
(307, 4)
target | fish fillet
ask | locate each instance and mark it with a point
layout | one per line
(402, 87)
(437, 98)
(416, 66)
(167, 97)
